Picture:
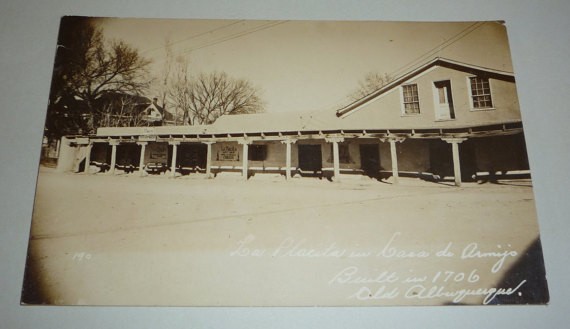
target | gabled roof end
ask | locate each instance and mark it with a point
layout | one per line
(437, 61)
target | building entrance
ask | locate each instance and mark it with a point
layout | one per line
(192, 157)
(310, 159)
(370, 159)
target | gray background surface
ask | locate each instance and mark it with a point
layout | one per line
(540, 45)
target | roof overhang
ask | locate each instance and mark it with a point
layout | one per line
(475, 131)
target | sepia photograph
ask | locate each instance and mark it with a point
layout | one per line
(190, 162)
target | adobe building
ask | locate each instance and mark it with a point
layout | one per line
(444, 119)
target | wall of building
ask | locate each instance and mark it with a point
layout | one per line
(275, 157)
(229, 155)
(413, 155)
(66, 156)
(156, 152)
(353, 161)
(128, 154)
(501, 153)
(387, 110)
(385, 157)
(71, 158)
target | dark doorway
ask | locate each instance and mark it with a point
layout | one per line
(310, 159)
(468, 161)
(441, 159)
(370, 159)
(101, 152)
(192, 157)
(128, 157)
(100, 156)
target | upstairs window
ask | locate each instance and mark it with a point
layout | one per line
(480, 93)
(411, 99)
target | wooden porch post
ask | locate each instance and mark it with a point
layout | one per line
(141, 160)
(288, 143)
(174, 155)
(456, 162)
(88, 158)
(394, 156)
(244, 169)
(336, 160)
(209, 159)
(113, 156)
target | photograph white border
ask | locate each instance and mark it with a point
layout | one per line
(28, 37)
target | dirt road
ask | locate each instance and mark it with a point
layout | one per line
(127, 240)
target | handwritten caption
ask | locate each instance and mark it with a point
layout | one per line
(419, 280)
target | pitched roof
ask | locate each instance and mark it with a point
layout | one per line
(320, 120)
(438, 61)
(151, 130)
(275, 122)
(240, 124)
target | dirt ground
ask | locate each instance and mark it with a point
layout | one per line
(128, 240)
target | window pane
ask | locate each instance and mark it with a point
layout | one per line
(481, 92)
(441, 93)
(411, 99)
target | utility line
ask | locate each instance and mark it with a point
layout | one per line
(440, 47)
(229, 37)
(468, 30)
(236, 35)
(193, 36)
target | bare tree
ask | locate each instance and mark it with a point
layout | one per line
(117, 69)
(123, 111)
(161, 83)
(88, 67)
(179, 90)
(206, 97)
(371, 82)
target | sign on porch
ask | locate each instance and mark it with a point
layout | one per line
(228, 153)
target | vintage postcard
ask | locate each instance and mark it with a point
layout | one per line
(283, 163)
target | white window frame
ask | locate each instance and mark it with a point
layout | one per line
(470, 94)
(403, 106)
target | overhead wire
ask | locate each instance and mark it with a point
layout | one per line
(192, 37)
(228, 37)
(465, 32)
(462, 34)
(236, 35)
(448, 42)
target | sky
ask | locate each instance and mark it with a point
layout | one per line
(310, 65)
